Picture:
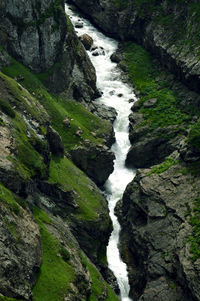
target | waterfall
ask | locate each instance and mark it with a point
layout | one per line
(115, 94)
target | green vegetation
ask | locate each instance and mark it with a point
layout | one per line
(194, 239)
(30, 163)
(194, 135)
(3, 298)
(6, 108)
(98, 284)
(59, 109)
(64, 173)
(7, 197)
(154, 84)
(55, 276)
(163, 166)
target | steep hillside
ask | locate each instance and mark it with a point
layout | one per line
(159, 212)
(169, 29)
(54, 224)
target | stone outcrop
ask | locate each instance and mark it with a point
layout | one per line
(95, 160)
(40, 36)
(155, 214)
(150, 147)
(20, 250)
(162, 27)
(33, 31)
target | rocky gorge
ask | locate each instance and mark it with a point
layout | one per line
(55, 145)
(159, 212)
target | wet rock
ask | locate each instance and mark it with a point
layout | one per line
(78, 25)
(95, 161)
(87, 41)
(104, 112)
(136, 107)
(116, 57)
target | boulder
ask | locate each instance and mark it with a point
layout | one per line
(95, 160)
(104, 112)
(87, 41)
(151, 147)
(116, 57)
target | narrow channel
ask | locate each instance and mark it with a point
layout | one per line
(115, 94)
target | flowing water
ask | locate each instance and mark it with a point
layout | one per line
(115, 94)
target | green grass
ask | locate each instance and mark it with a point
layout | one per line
(8, 198)
(21, 98)
(194, 239)
(55, 276)
(194, 135)
(3, 298)
(6, 108)
(59, 108)
(29, 162)
(64, 173)
(98, 284)
(163, 166)
(167, 110)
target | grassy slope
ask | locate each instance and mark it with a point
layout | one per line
(143, 74)
(58, 109)
(167, 111)
(56, 274)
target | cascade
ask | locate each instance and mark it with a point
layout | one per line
(115, 94)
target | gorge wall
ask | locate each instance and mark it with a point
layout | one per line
(159, 212)
(168, 29)
(54, 222)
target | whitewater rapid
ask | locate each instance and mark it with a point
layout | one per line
(116, 94)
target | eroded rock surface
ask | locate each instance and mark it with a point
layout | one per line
(155, 235)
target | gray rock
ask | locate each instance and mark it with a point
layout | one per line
(155, 229)
(20, 252)
(95, 161)
(55, 142)
(150, 103)
(26, 32)
(103, 111)
(87, 41)
(116, 57)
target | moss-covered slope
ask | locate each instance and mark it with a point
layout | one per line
(49, 193)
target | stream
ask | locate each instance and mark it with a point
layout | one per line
(115, 94)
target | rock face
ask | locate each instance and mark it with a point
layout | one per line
(155, 235)
(150, 147)
(162, 28)
(40, 36)
(95, 161)
(20, 251)
(33, 31)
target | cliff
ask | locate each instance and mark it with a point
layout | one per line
(159, 212)
(54, 224)
(169, 30)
